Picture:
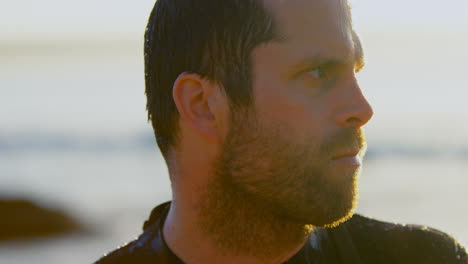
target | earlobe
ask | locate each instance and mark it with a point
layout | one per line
(192, 94)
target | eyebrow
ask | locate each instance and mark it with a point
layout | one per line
(319, 60)
(359, 60)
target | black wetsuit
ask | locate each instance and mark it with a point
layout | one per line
(359, 240)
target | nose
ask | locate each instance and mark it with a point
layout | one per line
(355, 110)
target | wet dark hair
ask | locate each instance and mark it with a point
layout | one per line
(212, 38)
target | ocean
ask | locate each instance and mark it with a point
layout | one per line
(74, 136)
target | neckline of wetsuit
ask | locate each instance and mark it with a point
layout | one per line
(335, 244)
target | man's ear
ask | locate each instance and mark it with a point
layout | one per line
(193, 96)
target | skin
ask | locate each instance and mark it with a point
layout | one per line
(285, 149)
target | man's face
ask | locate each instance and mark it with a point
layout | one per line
(295, 151)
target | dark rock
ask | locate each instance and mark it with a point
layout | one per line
(22, 219)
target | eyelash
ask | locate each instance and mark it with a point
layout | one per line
(322, 72)
(325, 72)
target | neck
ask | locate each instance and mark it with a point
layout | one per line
(228, 226)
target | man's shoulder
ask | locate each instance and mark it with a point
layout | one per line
(137, 251)
(149, 247)
(124, 254)
(384, 242)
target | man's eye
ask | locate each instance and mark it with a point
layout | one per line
(317, 73)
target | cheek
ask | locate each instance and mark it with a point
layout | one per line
(290, 110)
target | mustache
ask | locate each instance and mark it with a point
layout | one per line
(344, 140)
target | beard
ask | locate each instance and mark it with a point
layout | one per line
(269, 190)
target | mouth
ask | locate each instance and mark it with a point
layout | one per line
(347, 154)
(348, 159)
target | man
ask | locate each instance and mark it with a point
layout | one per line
(257, 111)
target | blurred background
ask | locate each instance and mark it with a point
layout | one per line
(74, 139)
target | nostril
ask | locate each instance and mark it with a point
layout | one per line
(354, 121)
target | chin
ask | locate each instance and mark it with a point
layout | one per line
(342, 203)
(332, 218)
(327, 207)
(338, 220)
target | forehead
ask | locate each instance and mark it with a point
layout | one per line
(303, 15)
(321, 27)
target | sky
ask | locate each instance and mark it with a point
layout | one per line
(51, 19)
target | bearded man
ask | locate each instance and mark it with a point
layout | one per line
(257, 111)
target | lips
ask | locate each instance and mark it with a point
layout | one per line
(347, 154)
